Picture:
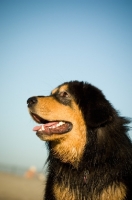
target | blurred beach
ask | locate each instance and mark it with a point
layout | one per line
(18, 187)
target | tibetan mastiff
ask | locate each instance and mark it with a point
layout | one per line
(90, 154)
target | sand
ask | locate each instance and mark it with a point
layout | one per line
(14, 187)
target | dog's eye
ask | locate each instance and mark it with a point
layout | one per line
(63, 97)
(64, 94)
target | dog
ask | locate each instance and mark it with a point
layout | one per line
(90, 154)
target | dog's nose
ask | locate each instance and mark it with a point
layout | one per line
(31, 101)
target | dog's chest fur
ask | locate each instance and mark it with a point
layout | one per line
(70, 184)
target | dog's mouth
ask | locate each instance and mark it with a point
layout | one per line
(50, 127)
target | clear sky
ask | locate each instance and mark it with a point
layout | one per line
(43, 44)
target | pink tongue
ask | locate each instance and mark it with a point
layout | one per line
(36, 128)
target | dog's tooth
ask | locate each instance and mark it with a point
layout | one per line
(43, 128)
(57, 125)
(61, 123)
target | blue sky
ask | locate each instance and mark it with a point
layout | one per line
(45, 43)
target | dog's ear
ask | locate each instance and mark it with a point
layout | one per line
(96, 108)
(99, 110)
(99, 115)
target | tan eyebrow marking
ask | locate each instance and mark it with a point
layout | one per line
(62, 88)
(54, 90)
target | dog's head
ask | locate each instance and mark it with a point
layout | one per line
(67, 114)
(68, 107)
